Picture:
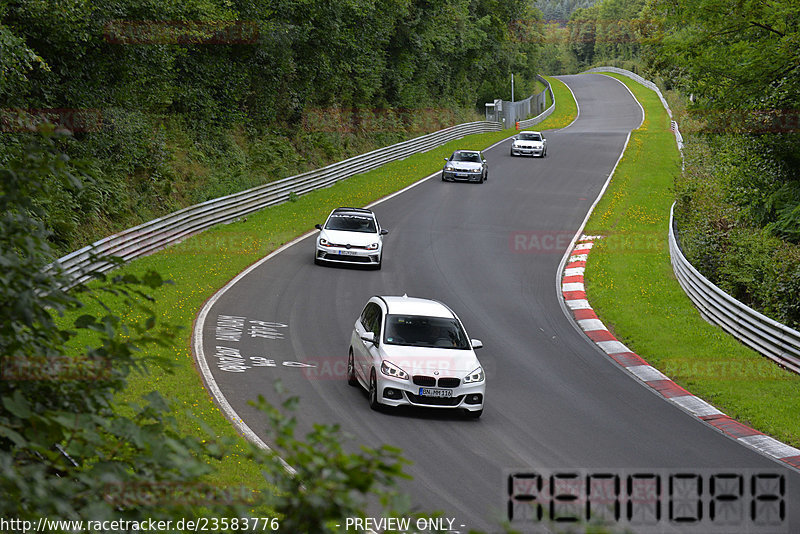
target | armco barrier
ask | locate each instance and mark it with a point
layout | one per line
(649, 85)
(764, 335)
(511, 110)
(159, 233)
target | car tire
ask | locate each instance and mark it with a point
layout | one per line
(351, 371)
(474, 414)
(372, 392)
(317, 261)
(486, 176)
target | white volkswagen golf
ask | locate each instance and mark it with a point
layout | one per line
(413, 351)
(350, 235)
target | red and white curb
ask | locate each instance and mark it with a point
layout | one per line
(574, 293)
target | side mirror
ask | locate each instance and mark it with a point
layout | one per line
(447, 159)
(369, 337)
(515, 137)
(476, 343)
(318, 226)
(384, 231)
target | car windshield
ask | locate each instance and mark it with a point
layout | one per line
(466, 156)
(421, 331)
(530, 137)
(351, 223)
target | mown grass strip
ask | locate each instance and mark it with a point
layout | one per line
(632, 288)
(204, 263)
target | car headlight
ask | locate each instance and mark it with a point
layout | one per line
(373, 246)
(324, 243)
(390, 369)
(449, 167)
(475, 376)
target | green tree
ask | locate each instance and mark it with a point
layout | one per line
(69, 449)
(734, 54)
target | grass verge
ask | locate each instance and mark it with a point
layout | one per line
(204, 263)
(631, 286)
(566, 110)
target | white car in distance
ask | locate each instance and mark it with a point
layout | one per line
(529, 144)
(415, 352)
(351, 236)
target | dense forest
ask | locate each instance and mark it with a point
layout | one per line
(173, 103)
(561, 10)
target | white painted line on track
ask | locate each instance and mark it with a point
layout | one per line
(573, 286)
(696, 405)
(632, 95)
(657, 382)
(574, 271)
(199, 326)
(770, 446)
(646, 373)
(578, 304)
(612, 347)
(591, 325)
(577, 105)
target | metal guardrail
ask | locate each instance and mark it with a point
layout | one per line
(546, 113)
(649, 85)
(173, 228)
(764, 335)
(522, 108)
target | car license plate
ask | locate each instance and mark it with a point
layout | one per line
(347, 252)
(431, 392)
(462, 175)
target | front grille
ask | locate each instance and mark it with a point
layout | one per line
(422, 380)
(344, 245)
(342, 257)
(434, 401)
(449, 382)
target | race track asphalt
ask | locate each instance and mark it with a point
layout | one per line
(490, 251)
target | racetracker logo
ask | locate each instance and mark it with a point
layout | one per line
(562, 31)
(540, 241)
(144, 493)
(74, 120)
(555, 242)
(59, 368)
(182, 32)
(378, 120)
(335, 367)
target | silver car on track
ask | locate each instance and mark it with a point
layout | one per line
(415, 352)
(465, 166)
(529, 144)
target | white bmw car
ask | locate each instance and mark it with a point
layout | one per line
(529, 144)
(352, 236)
(415, 352)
